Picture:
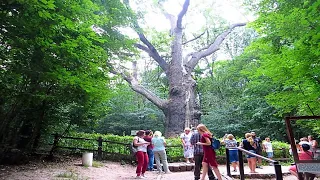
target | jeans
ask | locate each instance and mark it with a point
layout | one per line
(197, 168)
(151, 159)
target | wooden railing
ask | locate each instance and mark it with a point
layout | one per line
(99, 145)
(102, 148)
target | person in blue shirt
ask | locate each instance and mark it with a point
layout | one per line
(159, 151)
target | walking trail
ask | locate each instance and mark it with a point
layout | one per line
(71, 169)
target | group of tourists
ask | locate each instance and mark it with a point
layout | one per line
(150, 146)
(251, 143)
(197, 149)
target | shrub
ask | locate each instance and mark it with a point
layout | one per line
(117, 147)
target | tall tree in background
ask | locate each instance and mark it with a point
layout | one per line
(181, 108)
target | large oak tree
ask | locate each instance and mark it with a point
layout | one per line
(181, 108)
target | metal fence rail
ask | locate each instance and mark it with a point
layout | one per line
(277, 166)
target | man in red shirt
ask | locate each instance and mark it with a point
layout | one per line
(148, 138)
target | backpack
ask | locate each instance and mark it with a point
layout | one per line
(133, 148)
(215, 143)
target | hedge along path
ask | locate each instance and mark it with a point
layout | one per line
(114, 147)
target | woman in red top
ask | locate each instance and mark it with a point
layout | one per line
(304, 155)
(209, 157)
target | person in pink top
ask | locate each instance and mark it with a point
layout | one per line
(305, 154)
(209, 157)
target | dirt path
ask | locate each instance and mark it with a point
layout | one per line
(71, 169)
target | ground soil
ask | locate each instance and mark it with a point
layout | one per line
(71, 168)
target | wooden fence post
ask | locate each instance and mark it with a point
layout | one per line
(100, 149)
(54, 145)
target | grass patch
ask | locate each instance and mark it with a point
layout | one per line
(97, 164)
(70, 175)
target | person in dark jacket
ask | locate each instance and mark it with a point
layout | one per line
(250, 145)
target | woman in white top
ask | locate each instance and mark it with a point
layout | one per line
(159, 151)
(141, 154)
(187, 146)
(267, 147)
(314, 144)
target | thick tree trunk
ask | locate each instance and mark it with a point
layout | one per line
(182, 104)
(183, 108)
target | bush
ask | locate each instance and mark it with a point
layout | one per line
(117, 147)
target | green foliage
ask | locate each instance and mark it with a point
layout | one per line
(52, 65)
(291, 32)
(287, 57)
(276, 76)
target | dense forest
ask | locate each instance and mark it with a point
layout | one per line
(60, 67)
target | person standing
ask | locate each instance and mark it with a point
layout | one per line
(209, 155)
(250, 145)
(141, 154)
(314, 145)
(267, 147)
(198, 157)
(187, 147)
(159, 151)
(258, 150)
(230, 143)
(148, 138)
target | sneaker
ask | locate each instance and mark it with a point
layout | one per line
(169, 172)
(188, 162)
(144, 176)
(139, 177)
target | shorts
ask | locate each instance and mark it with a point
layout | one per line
(270, 154)
(233, 156)
(249, 155)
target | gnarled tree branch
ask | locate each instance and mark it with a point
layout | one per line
(182, 13)
(195, 38)
(160, 103)
(212, 48)
(162, 63)
(150, 49)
